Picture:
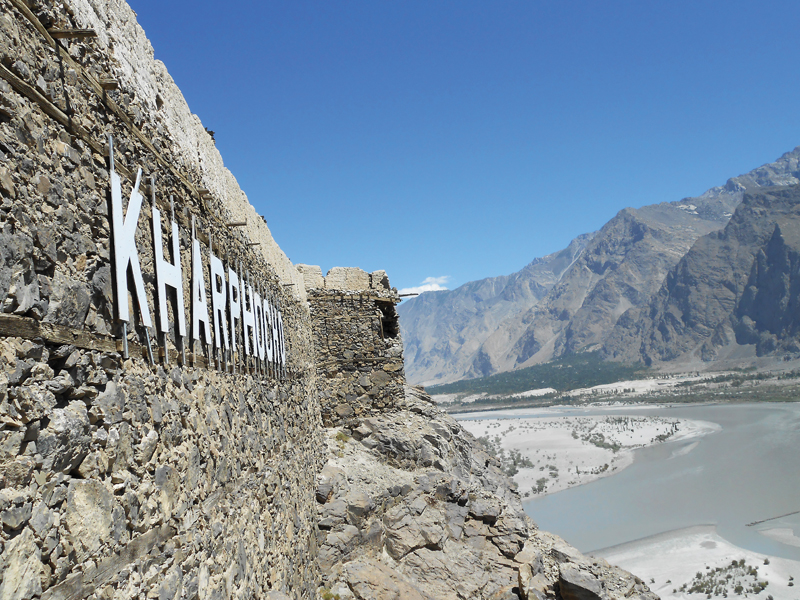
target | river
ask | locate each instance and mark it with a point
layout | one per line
(747, 471)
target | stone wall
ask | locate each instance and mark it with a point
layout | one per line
(356, 335)
(121, 478)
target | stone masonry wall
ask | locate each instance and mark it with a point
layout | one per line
(118, 478)
(356, 335)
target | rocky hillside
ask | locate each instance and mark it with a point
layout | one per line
(410, 506)
(734, 295)
(444, 332)
(621, 267)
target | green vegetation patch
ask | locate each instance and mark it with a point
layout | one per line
(510, 462)
(563, 374)
(738, 578)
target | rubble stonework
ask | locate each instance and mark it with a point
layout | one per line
(118, 478)
(131, 478)
(357, 341)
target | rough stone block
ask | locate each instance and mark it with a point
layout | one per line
(312, 276)
(347, 279)
(576, 583)
(89, 514)
(22, 568)
(371, 579)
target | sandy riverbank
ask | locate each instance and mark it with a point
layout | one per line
(550, 454)
(669, 561)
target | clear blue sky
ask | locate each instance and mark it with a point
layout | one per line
(463, 139)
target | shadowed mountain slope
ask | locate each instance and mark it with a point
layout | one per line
(735, 295)
(443, 332)
(532, 316)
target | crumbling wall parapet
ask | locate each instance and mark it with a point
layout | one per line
(345, 280)
(359, 352)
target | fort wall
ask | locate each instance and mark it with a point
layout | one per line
(179, 471)
(356, 335)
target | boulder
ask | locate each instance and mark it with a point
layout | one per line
(407, 530)
(532, 586)
(532, 556)
(371, 580)
(88, 515)
(64, 443)
(576, 583)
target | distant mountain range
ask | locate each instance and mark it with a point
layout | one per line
(699, 279)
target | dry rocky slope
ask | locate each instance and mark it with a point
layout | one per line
(410, 506)
(445, 332)
(733, 296)
(147, 476)
(621, 268)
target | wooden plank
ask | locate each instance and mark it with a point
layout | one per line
(109, 84)
(334, 362)
(28, 13)
(80, 34)
(236, 224)
(24, 327)
(56, 113)
(113, 106)
(28, 90)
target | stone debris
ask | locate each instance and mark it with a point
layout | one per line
(438, 516)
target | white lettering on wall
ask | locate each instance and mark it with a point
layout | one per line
(234, 304)
(279, 338)
(261, 323)
(168, 274)
(125, 251)
(268, 332)
(250, 335)
(218, 300)
(259, 313)
(199, 301)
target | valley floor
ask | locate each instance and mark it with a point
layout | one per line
(670, 563)
(546, 455)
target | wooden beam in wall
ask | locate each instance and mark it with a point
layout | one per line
(79, 34)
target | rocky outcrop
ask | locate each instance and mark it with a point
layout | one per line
(455, 335)
(410, 506)
(734, 294)
(459, 333)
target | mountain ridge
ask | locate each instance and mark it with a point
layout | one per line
(616, 269)
(733, 295)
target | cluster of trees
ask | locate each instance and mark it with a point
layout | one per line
(563, 374)
(737, 577)
(511, 462)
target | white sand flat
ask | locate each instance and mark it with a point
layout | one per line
(569, 451)
(674, 558)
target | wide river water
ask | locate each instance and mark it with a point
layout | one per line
(747, 471)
